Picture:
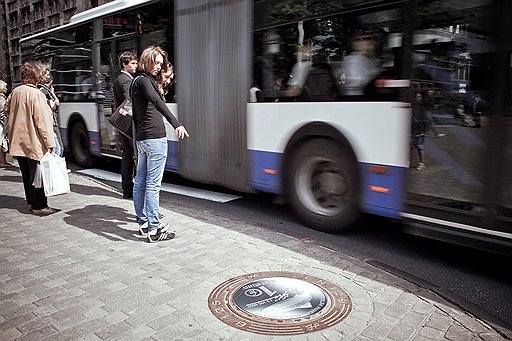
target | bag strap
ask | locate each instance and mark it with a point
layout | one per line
(134, 133)
(130, 91)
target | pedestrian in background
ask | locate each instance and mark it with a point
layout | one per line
(429, 104)
(165, 79)
(418, 129)
(4, 142)
(477, 108)
(46, 87)
(128, 62)
(31, 133)
(151, 141)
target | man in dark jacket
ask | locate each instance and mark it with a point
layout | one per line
(128, 62)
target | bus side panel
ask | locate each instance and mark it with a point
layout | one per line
(173, 148)
(377, 132)
(88, 114)
(95, 139)
(265, 172)
(383, 192)
(172, 161)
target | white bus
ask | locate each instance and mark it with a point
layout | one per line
(331, 133)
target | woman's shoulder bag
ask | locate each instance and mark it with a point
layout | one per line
(121, 118)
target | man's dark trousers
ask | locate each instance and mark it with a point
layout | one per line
(127, 167)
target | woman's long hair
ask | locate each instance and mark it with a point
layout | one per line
(148, 58)
(162, 78)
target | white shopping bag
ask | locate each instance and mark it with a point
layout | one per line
(55, 175)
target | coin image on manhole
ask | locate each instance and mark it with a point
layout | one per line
(280, 298)
(279, 303)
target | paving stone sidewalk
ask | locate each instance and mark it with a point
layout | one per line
(84, 274)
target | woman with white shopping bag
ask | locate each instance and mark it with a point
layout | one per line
(31, 134)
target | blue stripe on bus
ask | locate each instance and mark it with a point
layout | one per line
(382, 194)
(265, 172)
(172, 156)
(95, 140)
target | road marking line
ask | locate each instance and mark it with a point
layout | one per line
(182, 190)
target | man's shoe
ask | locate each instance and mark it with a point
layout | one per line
(421, 166)
(160, 234)
(45, 211)
(441, 135)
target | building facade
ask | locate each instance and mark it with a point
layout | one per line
(22, 18)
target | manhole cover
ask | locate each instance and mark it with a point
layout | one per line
(279, 303)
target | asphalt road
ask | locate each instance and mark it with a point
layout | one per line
(478, 281)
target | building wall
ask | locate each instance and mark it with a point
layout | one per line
(21, 18)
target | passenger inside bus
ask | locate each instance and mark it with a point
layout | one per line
(300, 73)
(309, 80)
(319, 74)
(341, 78)
(360, 66)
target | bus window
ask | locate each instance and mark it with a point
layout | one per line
(110, 50)
(73, 74)
(324, 58)
(157, 26)
(453, 68)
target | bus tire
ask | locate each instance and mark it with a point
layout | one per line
(81, 145)
(323, 185)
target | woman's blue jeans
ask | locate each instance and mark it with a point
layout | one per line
(152, 155)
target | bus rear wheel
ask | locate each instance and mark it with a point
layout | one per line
(323, 186)
(81, 145)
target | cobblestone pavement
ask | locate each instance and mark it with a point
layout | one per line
(84, 274)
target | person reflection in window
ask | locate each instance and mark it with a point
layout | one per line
(361, 66)
(300, 72)
(255, 93)
(340, 77)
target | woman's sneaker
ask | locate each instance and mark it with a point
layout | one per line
(161, 233)
(143, 229)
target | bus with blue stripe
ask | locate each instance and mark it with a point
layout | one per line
(313, 101)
